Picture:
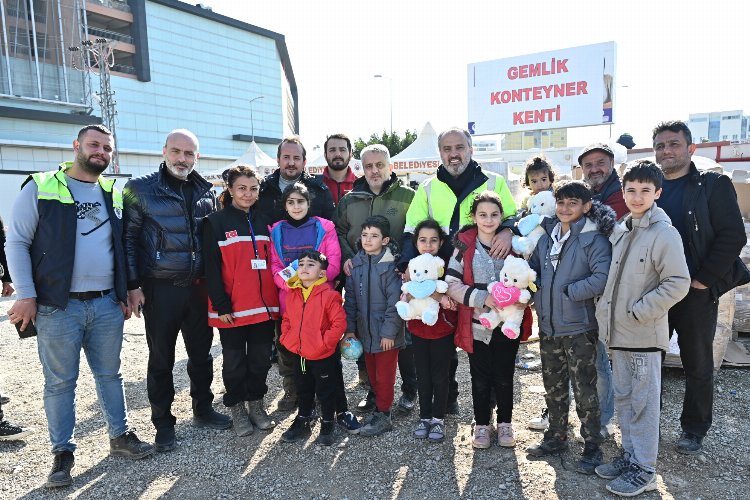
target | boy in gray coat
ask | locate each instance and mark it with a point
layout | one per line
(647, 277)
(371, 294)
(571, 261)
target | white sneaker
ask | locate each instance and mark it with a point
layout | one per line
(541, 422)
(505, 435)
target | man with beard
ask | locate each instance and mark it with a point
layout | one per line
(65, 249)
(338, 175)
(163, 218)
(378, 192)
(447, 198)
(598, 163)
(292, 158)
(703, 208)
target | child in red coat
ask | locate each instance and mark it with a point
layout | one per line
(312, 326)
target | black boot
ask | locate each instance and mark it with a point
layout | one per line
(299, 430)
(326, 437)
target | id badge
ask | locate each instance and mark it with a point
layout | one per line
(259, 264)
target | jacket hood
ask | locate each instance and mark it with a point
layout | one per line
(600, 218)
(465, 237)
(296, 282)
(654, 215)
(385, 257)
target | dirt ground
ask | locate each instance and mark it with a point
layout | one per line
(216, 464)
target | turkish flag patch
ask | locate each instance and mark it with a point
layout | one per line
(231, 234)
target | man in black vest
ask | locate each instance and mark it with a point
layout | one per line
(65, 249)
(703, 208)
(163, 217)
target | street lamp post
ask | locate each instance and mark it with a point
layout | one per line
(390, 86)
(252, 125)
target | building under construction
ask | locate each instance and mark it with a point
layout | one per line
(143, 68)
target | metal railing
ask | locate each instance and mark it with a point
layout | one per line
(111, 35)
(113, 4)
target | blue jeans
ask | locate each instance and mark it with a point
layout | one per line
(96, 326)
(604, 389)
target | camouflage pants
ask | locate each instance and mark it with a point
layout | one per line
(571, 360)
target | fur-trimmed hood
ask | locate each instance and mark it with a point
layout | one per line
(600, 218)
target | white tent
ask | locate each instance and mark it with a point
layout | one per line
(253, 157)
(422, 155)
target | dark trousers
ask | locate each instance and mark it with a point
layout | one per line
(316, 378)
(247, 359)
(694, 320)
(453, 383)
(432, 358)
(168, 310)
(571, 360)
(285, 362)
(492, 367)
(342, 405)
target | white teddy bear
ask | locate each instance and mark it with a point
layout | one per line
(541, 205)
(511, 296)
(424, 273)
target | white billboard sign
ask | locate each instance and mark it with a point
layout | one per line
(562, 88)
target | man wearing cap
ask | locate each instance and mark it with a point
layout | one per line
(598, 163)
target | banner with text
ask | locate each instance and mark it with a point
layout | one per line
(571, 87)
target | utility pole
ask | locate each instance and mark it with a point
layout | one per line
(99, 55)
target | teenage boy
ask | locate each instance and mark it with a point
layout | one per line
(571, 261)
(648, 275)
(311, 329)
(372, 290)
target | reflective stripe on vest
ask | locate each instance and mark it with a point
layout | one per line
(51, 186)
(491, 183)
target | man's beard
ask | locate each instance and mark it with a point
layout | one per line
(171, 167)
(671, 170)
(91, 167)
(457, 170)
(339, 167)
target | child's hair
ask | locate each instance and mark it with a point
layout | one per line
(428, 224)
(316, 256)
(231, 175)
(486, 196)
(572, 189)
(379, 222)
(538, 163)
(298, 188)
(643, 171)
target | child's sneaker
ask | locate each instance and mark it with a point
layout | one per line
(299, 430)
(348, 421)
(550, 445)
(541, 422)
(614, 469)
(10, 432)
(633, 482)
(326, 436)
(591, 459)
(505, 435)
(422, 430)
(481, 437)
(437, 431)
(379, 424)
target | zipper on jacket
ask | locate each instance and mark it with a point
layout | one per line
(191, 232)
(554, 275)
(260, 275)
(369, 295)
(301, 322)
(695, 220)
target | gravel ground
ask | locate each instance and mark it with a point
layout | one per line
(216, 464)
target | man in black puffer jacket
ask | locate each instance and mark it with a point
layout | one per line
(163, 213)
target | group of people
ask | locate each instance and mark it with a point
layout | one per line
(267, 262)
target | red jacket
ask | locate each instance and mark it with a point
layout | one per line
(312, 326)
(445, 325)
(233, 285)
(464, 337)
(339, 189)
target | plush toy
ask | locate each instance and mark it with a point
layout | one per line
(424, 273)
(511, 296)
(541, 205)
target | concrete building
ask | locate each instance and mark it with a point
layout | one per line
(535, 139)
(173, 65)
(719, 126)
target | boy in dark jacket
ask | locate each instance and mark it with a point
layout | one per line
(312, 326)
(571, 261)
(372, 291)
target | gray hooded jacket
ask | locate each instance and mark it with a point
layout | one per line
(565, 300)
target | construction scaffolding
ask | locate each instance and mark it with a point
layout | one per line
(34, 60)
